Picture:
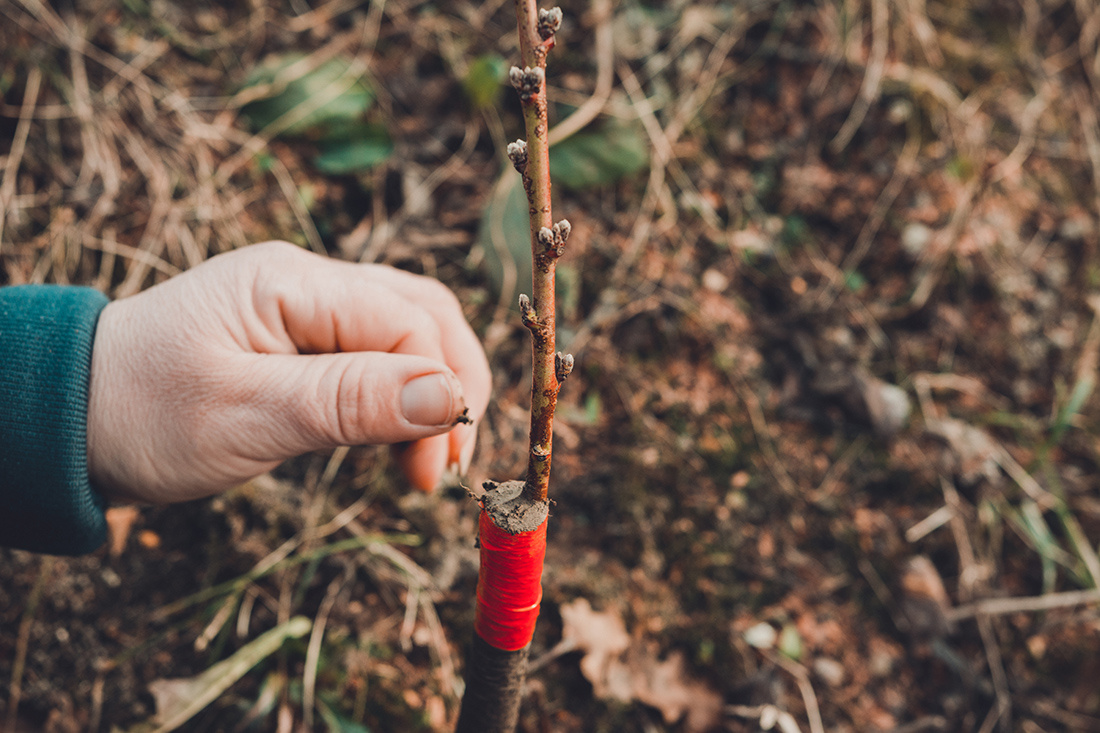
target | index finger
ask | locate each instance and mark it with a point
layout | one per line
(462, 351)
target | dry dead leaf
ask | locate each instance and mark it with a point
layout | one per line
(667, 686)
(600, 635)
(974, 450)
(887, 404)
(620, 671)
(925, 598)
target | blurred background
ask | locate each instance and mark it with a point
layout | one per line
(828, 459)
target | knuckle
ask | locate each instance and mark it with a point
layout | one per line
(445, 296)
(429, 328)
(334, 407)
(348, 411)
(276, 248)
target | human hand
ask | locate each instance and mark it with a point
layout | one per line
(264, 353)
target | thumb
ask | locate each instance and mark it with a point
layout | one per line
(312, 402)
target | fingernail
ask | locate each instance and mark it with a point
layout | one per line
(429, 400)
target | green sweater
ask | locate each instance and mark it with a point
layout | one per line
(46, 501)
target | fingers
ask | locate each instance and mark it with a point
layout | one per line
(304, 403)
(269, 352)
(424, 461)
(305, 304)
(462, 351)
(316, 305)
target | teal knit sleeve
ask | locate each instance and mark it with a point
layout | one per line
(46, 501)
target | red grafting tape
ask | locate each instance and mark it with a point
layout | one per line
(509, 584)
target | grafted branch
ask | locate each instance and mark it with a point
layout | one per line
(532, 159)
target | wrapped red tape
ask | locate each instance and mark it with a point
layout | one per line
(509, 585)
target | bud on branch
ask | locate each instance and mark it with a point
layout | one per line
(527, 312)
(527, 81)
(549, 23)
(563, 365)
(532, 160)
(553, 239)
(517, 153)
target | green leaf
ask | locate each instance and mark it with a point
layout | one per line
(328, 94)
(505, 237)
(854, 281)
(590, 159)
(960, 167)
(1082, 390)
(484, 81)
(790, 642)
(1029, 519)
(795, 232)
(264, 161)
(353, 148)
(593, 408)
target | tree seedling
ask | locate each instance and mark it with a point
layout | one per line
(512, 525)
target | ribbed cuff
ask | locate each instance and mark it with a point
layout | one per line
(46, 501)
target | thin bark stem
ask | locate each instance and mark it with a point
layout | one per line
(536, 182)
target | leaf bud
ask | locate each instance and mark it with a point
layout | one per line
(527, 311)
(549, 22)
(546, 238)
(562, 230)
(517, 153)
(527, 81)
(563, 365)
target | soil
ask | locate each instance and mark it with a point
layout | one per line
(828, 456)
(511, 510)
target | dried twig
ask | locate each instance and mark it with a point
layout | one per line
(1090, 127)
(294, 198)
(605, 77)
(1001, 712)
(313, 649)
(1026, 604)
(22, 643)
(18, 145)
(872, 79)
(809, 698)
